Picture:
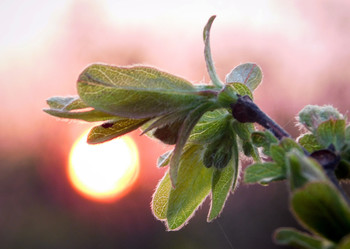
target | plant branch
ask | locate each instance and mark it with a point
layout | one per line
(246, 111)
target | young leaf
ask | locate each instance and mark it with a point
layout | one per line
(210, 127)
(241, 130)
(66, 103)
(264, 173)
(289, 144)
(166, 120)
(295, 238)
(66, 107)
(164, 159)
(223, 181)
(186, 128)
(321, 208)
(207, 54)
(136, 92)
(278, 155)
(264, 139)
(113, 129)
(219, 152)
(221, 186)
(249, 74)
(278, 152)
(160, 197)
(311, 116)
(241, 89)
(302, 169)
(331, 132)
(193, 186)
(310, 143)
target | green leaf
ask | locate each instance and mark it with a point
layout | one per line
(136, 92)
(113, 129)
(331, 132)
(320, 208)
(278, 152)
(66, 103)
(241, 89)
(264, 173)
(242, 130)
(66, 107)
(219, 152)
(278, 155)
(164, 159)
(221, 186)
(207, 54)
(310, 143)
(250, 151)
(295, 238)
(302, 169)
(210, 127)
(193, 186)
(223, 181)
(184, 133)
(264, 139)
(289, 144)
(247, 148)
(249, 74)
(160, 197)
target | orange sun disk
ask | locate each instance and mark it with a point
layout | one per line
(103, 172)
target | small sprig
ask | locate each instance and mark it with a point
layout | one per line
(210, 126)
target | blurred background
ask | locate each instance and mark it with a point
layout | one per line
(301, 46)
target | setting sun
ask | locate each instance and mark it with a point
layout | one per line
(103, 172)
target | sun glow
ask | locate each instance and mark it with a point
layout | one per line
(103, 172)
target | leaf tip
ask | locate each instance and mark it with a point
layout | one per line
(208, 27)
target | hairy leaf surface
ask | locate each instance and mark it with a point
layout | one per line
(322, 209)
(75, 108)
(161, 197)
(295, 238)
(193, 186)
(249, 74)
(136, 92)
(113, 129)
(211, 126)
(264, 173)
(223, 181)
(310, 143)
(331, 132)
(302, 169)
(164, 159)
(184, 133)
